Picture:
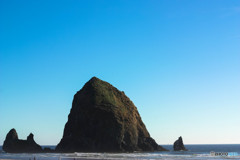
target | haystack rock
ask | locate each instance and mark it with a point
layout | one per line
(178, 145)
(104, 119)
(14, 145)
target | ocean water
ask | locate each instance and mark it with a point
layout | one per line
(195, 152)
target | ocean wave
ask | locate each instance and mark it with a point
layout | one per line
(113, 156)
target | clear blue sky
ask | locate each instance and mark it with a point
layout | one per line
(179, 62)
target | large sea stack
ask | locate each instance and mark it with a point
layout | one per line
(104, 119)
(14, 145)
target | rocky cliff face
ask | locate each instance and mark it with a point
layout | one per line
(178, 145)
(14, 145)
(103, 118)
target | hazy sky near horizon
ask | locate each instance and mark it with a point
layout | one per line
(178, 61)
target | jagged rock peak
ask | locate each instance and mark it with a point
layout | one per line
(30, 137)
(12, 135)
(178, 145)
(102, 118)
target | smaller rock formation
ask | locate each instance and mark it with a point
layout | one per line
(14, 145)
(178, 145)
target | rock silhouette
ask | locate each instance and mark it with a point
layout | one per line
(178, 145)
(102, 118)
(14, 145)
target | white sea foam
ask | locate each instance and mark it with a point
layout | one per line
(114, 156)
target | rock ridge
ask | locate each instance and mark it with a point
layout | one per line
(14, 145)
